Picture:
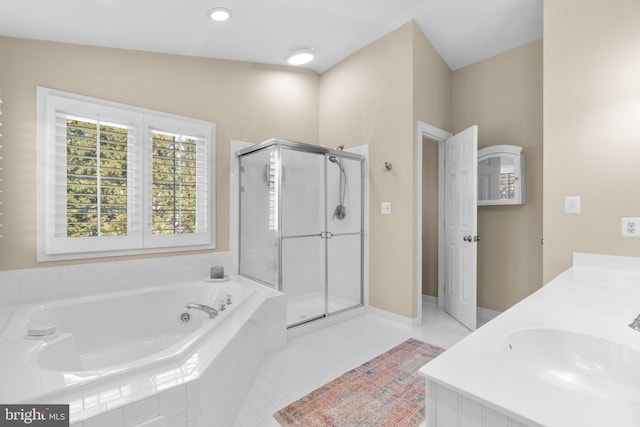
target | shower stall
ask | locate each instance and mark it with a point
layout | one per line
(301, 225)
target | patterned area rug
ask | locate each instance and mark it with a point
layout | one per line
(386, 391)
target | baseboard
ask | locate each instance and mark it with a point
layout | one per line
(487, 314)
(429, 299)
(483, 313)
(397, 318)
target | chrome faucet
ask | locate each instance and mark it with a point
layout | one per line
(212, 312)
(635, 325)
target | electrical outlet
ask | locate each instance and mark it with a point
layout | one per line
(385, 208)
(630, 227)
(572, 204)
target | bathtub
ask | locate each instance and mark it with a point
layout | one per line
(105, 352)
(564, 356)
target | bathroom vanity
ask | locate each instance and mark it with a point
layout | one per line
(564, 356)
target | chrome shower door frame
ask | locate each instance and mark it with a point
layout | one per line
(324, 234)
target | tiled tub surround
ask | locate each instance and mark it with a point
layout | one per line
(37, 285)
(195, 375)
(564, 356)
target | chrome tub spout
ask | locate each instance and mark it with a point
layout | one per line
(212, 312)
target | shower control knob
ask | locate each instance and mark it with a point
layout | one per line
(222, 305)
(229, 302)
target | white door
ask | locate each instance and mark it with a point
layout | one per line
(460, 215)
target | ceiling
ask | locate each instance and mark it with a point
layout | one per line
(462, 31)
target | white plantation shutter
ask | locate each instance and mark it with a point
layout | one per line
(96, 182)
(79, 213)
(177, 182)
(95, 178)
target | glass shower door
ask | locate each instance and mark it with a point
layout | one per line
(258, 216)
(344, 226)
(303, 249)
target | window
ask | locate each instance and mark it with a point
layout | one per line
(115, 179)
(96, 182)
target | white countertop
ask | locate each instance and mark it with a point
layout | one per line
(599, 296)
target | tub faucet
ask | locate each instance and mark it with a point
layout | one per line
(635, 325)
(212, 312)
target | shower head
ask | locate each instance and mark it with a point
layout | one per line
(337, 161)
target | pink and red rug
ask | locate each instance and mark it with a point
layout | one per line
(386, 391)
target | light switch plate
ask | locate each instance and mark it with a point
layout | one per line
(630, 227)
(572, 205)
(385, 208)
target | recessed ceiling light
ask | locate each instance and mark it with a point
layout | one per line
(300, 56)
(219, 14)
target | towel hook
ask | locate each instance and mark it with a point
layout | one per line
(387, 167)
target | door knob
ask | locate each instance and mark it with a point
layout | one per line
(467, 238)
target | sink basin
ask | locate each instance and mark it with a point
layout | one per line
(578, 362)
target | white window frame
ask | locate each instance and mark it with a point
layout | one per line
(139, 239)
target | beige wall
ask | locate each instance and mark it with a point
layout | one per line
(373, 97)
(366, 99)
(431, 104)
(430, 169)
(369, 99)
(248, 102)
(591, 127)
(503, 96)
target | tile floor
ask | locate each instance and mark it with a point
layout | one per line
(311, 360)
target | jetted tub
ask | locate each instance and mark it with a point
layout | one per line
(119, 332)
(106, 339)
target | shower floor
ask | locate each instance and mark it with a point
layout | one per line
(310, 306)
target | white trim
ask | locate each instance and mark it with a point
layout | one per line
(487, 314)
(425, 130)
(428, 299)
(139, 238)
(397, 318)
(484, 314)
(234, 202)
(429, 131)
(364, 151)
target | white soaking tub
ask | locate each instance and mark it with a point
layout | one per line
(112, 350)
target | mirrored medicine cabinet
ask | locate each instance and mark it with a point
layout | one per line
(501, 175)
